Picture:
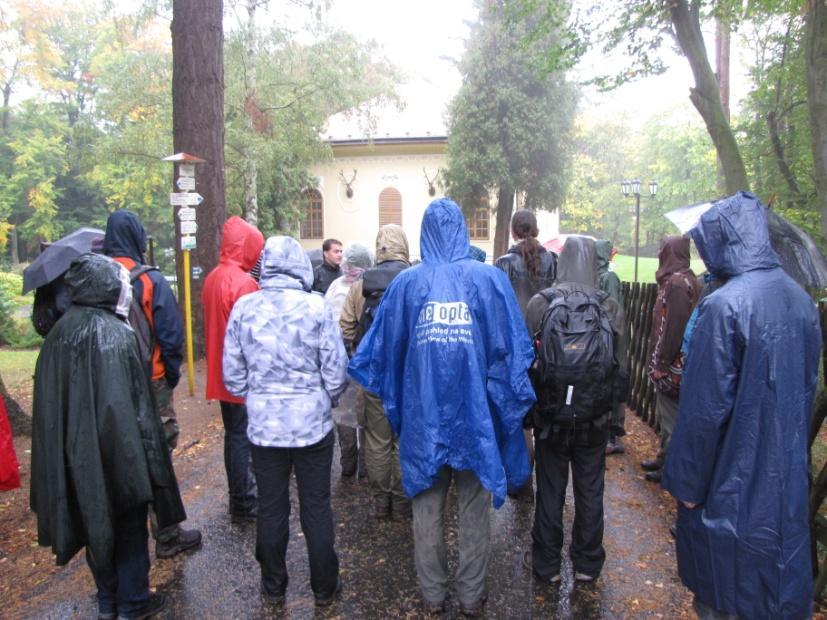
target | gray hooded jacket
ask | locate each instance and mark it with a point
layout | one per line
(283, 352)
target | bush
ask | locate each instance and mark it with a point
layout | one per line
(11, 284)
(14, 332)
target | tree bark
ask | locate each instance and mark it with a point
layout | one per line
(706, 96)
(198, 128)
(781, 158)
(722, 66)
(250, 168)
(502, 230)
(816, 68)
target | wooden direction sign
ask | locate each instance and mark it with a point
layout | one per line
(188, 227)
(185, 183)
(186, 214)
(188, 242)
(185, 198)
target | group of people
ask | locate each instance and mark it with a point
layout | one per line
(462, 373)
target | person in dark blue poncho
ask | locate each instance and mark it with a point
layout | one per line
(448, 353)
(737, 460)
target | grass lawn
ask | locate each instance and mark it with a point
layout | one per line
(17, 366)
(624, 267)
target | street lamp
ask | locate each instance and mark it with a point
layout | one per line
(633, 187)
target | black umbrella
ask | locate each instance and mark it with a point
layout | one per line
(56, 258)
(799, 256)
(316, 257)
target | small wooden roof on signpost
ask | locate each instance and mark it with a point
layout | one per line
(185, 158)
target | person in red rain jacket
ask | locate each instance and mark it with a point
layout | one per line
(241, 246)
(9, 470)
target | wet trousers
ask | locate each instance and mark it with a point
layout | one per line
(382, 458)
(163, 403)
(124, 588)
(473, 505)
(312, 467)
(584, 450)
(352, 448)
(237, 463)
(666, 410)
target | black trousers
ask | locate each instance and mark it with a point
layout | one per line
(584, 449)
(312, 466)
(240, 481)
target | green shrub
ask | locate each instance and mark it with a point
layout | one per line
(15, 332)
(11, 284)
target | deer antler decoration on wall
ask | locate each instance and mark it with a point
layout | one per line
(349, 190)
(431, 188)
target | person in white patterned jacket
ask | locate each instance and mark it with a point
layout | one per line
(283, 352)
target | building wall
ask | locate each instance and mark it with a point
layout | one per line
(378, 166)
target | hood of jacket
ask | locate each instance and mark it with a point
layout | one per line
(673, 257)
(241, 243)
(444, 237)
(732, 237)
(603, 247)
(392, 244)
(98, 281)
(125, 236)
(578, 262)
(284, 263)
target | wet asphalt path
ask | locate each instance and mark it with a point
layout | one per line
(376, 557)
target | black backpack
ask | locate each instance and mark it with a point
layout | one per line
(138, 321)
(575, 368)
(374, 284)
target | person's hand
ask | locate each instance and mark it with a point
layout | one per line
(658, 374)
(689, 505)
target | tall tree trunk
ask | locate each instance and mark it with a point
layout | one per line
(706, 96)
(251, 106)
(816, 67)
(781, 158)
(502, 230)
(198, 128)
(722, 65)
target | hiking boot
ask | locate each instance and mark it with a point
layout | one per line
(186, 539)
(474, 610)
(109, 615)
(433, 609)
(325, 601)
(154, 605)
(650, 465)
(583, 578)
(653, 476)
(615, 446)
(271, 598)
(528, 565)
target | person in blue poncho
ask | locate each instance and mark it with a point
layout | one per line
(737, 460)
(448, 353)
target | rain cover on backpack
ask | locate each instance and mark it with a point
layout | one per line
(575, 367)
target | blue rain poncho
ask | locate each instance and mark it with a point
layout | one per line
(448, 353)
(739, 449)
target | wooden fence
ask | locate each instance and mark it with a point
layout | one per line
(639, 301)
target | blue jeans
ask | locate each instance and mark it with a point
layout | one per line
(124, 588)
(312, 466)
(240, 481)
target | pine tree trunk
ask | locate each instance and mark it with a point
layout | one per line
(505, 205)
(706, 95)
(198, 128)
(816, 67)
(250, 167)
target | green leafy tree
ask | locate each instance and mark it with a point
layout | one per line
(510, 123)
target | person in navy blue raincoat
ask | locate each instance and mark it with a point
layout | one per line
(738, 460)
(448, 353)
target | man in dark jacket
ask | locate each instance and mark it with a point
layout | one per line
(241, 246)
(125, 241)
(92, 482)
(331, 267)
(738, 461)
(580, 446)
(678, 291)
(609, 282)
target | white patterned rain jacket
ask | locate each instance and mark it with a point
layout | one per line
(283, 352)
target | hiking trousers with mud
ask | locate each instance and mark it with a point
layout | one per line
(473, 505)
(382, 459)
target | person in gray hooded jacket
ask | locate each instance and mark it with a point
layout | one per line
(283, 352)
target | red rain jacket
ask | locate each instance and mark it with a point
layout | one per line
(9, 471)
(241, 245)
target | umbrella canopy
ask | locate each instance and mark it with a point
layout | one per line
(799, 256)
(55, 259)
(555, 244)
(316, 257)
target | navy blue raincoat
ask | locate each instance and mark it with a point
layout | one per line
(448, 353)
(739, 449)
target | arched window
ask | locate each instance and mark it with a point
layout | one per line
(312, 225)
(390, 207)
(478, 223)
